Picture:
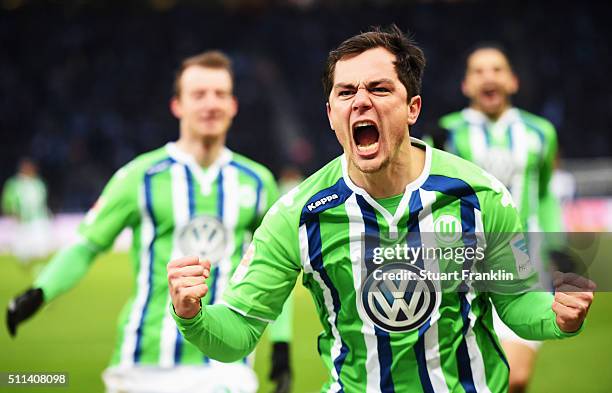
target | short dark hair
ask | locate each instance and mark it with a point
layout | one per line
(483, 45)
(209, 59)
(409, 58)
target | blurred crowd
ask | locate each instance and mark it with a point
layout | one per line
(85, 89)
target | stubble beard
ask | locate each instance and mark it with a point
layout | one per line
(386, 161)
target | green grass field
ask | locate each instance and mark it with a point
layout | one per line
(76, 334)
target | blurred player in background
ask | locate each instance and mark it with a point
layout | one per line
(563, 183)
(24, 197)
(190, 197)
(518, 148)
(386, 184)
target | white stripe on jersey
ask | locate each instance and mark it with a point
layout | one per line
(520, 150)
(263, 202)
(335, 350)
(432, 345)
(478, 143)
(180, 209)
(231, 209)
(205, 177)
(476, 359)
(356, 230)
(147, 233)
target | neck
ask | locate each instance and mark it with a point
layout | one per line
(493, 116)
(205, 150)
(403, 168)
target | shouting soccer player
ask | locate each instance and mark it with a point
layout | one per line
(386, 335)
(518, 148)
(192, 197)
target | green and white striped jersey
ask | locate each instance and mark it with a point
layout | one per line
(519, 149)
(318, 228)
(26, 198)
(158, 195)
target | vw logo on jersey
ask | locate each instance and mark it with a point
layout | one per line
(447, 229)
(396, 298)
(204, 236)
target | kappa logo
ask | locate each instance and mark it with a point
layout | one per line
(322, 201)
(396, 298)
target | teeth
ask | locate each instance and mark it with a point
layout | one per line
(368, 148)
(364, 123)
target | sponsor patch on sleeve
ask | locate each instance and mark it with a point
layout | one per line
(94, 210)
(243, 266)
(518, 244)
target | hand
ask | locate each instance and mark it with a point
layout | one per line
(23, 307)
(573, 297)
(281, 368)
(187, 283)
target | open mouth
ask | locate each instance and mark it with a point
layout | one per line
(490, 92)
(365, 135)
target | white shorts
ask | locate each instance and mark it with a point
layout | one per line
(31, 240)
(506, 334)
(213, 378)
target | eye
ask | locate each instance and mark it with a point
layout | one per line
(345, 93)
(380, 89)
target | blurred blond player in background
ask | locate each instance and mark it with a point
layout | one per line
(189, 197)
(24, 197)
(519, 149)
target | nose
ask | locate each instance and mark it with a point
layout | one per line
(210, 101)
(362, 100)
(489, 75)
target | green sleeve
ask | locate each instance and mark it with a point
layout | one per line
(549, 213)
(269, 195)
(65, 270)
(521, 304)
(116, 209)
(221, 333)
(112, 213)
(267, 274)
(454, 140)
(530, 315)
(505, 243)
(282, 329)
(9, 198)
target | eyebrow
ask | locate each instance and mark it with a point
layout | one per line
(369, 84)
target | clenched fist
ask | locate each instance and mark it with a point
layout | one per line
(187, 283)
(573, 297)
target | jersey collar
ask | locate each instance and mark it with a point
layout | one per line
(205, 176)
(413, 186)
(477, 117)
